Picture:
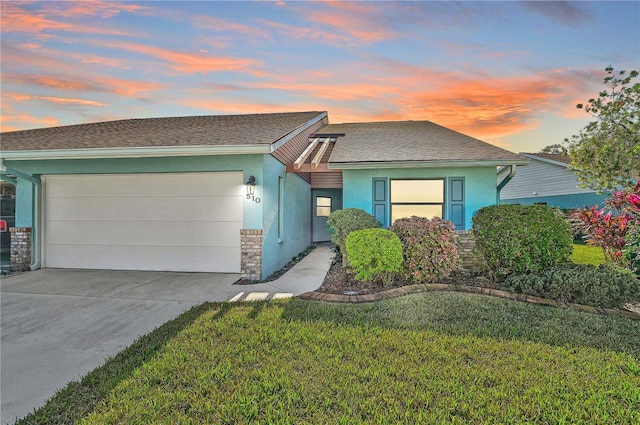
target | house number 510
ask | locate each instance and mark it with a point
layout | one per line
(253, 198)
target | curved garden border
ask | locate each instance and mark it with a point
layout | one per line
(410, 289)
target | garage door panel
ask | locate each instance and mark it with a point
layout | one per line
(145, 209)
(181, 222)
(157, 258)
(118, 185)
(145, 234)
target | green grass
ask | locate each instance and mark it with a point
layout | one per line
(587, 254)
(423, 358)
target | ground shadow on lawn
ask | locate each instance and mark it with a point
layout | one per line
(464, 314)
(456, 314)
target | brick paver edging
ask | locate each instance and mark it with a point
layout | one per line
(410, 289)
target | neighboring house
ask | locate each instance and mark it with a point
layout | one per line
(547, 180)
(236, 193)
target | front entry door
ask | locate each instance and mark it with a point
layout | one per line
(324, 202)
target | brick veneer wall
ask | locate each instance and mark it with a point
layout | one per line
(251, 253)
(466, 244)
(20, 248)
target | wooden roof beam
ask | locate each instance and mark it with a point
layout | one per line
(303, 157)
(316, 159)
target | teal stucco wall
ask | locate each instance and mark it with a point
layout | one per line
(479, 186)
(561, 201)
(293, 213)
(296, 196)
(249, 164)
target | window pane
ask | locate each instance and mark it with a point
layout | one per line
(323, 202)
(428, 211)
(323, 211)
(417, 191)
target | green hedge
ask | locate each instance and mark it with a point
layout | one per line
(521, 238)
(374, 253)
(343, 222)
(603, 286)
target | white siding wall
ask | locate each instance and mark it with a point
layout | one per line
(543, 178)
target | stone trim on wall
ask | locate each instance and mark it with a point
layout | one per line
(20, 248)
(251, 253)
(468, 260)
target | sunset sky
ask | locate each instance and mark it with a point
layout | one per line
(509, 73)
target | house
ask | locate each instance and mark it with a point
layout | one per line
(547, 180)
(233, 193)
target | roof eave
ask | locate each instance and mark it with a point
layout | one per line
(136, 152)
(426, 164)
(542, 159)
(297, 131)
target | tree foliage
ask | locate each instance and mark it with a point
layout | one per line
(606, 153)
(556, 149)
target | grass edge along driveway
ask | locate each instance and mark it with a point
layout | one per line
(423, 358)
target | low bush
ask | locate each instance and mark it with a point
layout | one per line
(521, 238)
(603, 286)
(429, 248)
(374, 253)
(343, 222)
(631, 250)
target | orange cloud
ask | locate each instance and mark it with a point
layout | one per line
(103, 9)
(72, 101)
(87, 84)
(479, 105)
(12, 121)
(16, 19)
(192, 63)
(363, 22)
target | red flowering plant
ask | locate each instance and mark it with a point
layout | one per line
(615, 228)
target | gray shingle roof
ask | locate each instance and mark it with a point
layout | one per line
(565, 159)
(407, 141)
(157, 132)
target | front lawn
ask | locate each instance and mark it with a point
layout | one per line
(587, 254)
(424, 358)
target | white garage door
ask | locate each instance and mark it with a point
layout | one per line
(179, 222)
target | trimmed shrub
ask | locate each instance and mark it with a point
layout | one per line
(603, 286)
(429, 248)
(521, 238)
(632, 248)
(343, 222)
(374, 253)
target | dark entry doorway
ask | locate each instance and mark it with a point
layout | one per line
(324, 201)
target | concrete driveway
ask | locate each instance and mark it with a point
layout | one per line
(57, 325)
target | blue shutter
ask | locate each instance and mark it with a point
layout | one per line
(380, 200)
(456, 202)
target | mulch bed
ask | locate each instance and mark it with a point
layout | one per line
(295, 260)
(340, 280)
(341, 286)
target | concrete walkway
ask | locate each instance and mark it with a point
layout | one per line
(305, 276)
(58, 325)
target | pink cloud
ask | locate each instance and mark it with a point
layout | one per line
(72, 101)
(191, 63)
(103, 9)
(364, 22)
(85, 84)
(12, 121)
(17, 19)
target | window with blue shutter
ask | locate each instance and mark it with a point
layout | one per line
(456, 202)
